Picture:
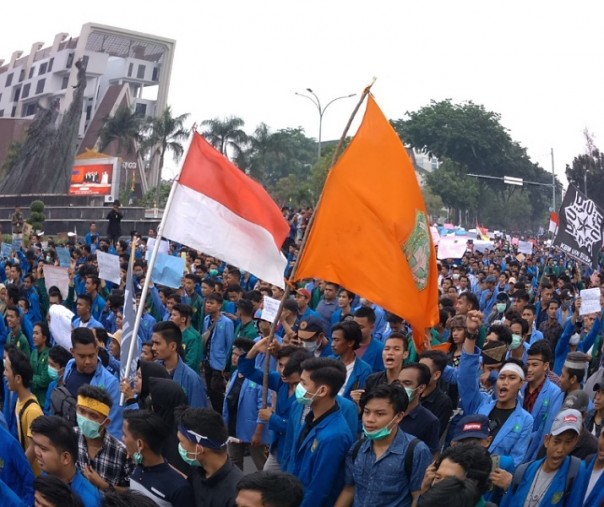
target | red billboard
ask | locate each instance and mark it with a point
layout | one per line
(91, 179)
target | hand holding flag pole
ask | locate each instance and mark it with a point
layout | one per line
(290, 282)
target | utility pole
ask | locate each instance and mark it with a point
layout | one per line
(553, 184)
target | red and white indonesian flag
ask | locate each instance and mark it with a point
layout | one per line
(554, 221)
(219, 210)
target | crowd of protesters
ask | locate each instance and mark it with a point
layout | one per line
(502, 404)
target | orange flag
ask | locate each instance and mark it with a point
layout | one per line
(372, 233)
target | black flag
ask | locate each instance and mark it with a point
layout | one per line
(580, 230)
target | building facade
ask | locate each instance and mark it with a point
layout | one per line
(123, 67)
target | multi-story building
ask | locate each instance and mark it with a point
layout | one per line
(123, 67)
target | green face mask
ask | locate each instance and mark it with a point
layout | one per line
(410, 393)
(137, 458)
(380, 434)
(500, 307)
(184, 454)
(516, 341)
(53, 373)
(89, 428)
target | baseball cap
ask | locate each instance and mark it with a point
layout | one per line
(304, 292)
(310, 326)
(577, 400)
(472, 426)
(568, 419)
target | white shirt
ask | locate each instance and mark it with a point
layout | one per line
(349, 368)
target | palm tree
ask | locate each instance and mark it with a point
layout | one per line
(124, 127)
(162, 134)
(226, 135)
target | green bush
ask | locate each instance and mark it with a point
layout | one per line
(37, 207)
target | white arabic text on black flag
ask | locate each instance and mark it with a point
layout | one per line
(580, 230)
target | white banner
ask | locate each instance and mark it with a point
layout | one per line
(452, 247)
(58, 277)
(525, 247)
(109, 267)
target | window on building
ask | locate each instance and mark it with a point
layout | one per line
(30, 109)
(85, 61)
(130, 69)
(40, 86)
(88, 113)
(16, 93)
(69, 61)
(31, 71)
(43, 68)
(13, 112)
(21, 75)
(1, 113)
(9, 80)
(140, 72)
(155, 76)
(65, 82)
(50, 62)
(140, 109)
(26, 89)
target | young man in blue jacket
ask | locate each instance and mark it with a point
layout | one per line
(541, 397)
(242, 403)
(283, 382)
(320, 447)
(592, 488)
(218, 334)
(370, 349)
(557, 478)
(345, 340)
(511, 424)
(167, 347)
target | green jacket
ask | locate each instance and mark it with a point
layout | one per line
(20, 342)
(41, 380)
(191, 343)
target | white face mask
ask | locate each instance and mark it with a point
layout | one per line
(310, 345)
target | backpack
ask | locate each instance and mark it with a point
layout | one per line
(408, 454)
(573, 471)
(63, 404)
(22, 433)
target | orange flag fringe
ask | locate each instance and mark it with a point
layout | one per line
(372, 233)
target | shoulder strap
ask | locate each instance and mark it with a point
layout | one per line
(22, 434)
(409, 457)
(573, 471)
(518, 474)
(357, 447)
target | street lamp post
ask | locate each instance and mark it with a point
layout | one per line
(315, 100)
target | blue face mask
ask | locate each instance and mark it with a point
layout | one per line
(184, 454)
(90, 429)
(53, 373)
(380, 434)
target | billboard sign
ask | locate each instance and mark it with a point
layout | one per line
(96, 177)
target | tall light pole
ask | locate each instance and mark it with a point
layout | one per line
(315, 100)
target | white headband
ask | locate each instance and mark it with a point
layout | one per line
(514, 368)
(575, 365)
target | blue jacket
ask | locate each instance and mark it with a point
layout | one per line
(277, 424)
(222, 341)
(90, 495)
(250, 402)
(487, 302)
(15, 470)
(515, 435)
(373, 355)
(98, 307)
(563, 347)
(358, 377)
(102, 378)
(555, 492)
(192, 384)
(596, 497)
(10, 498)
(91, 324)
(34, 304)
(546, 407)
(318, 461)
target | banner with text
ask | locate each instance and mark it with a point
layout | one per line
(580, 231)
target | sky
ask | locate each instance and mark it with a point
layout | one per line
(539, 64)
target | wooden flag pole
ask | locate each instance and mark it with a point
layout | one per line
(290, 282)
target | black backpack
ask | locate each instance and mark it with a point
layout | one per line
(63, 404)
